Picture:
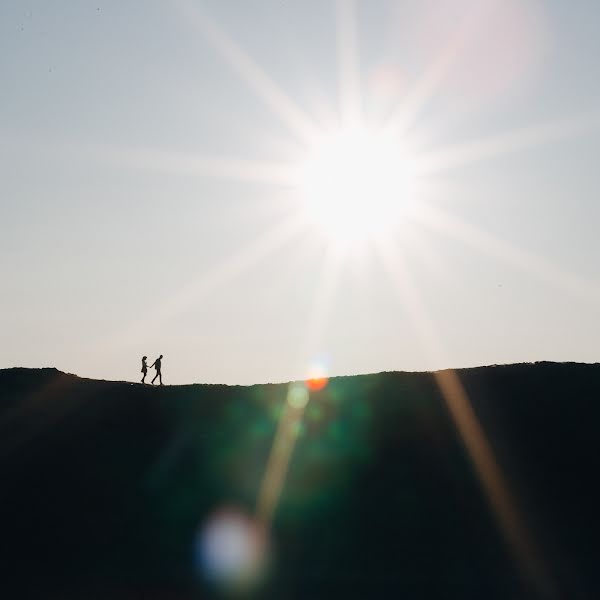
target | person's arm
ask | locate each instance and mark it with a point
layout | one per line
(152, 364)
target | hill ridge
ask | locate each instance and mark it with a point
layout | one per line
(287, 382)
(107, 484)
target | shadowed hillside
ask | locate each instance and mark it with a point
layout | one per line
(105, 485)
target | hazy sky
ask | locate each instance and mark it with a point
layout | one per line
(146, 205)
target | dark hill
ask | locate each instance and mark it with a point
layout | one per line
(104, 485)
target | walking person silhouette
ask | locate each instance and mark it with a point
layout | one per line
(144, 368)
(157, 365)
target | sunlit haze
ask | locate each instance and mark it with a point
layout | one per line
(274, 191)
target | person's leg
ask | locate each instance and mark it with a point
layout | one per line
(160, 377)
(144, 377)
(154, 377)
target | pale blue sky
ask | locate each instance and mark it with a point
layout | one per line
(115, 244)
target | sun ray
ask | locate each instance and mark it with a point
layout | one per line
(217, 276)
(281, 452)
(179, 163)
(259, 81)
(291, 418)
(278, 173)
(293, 411)
(321, 306)
(493, 481)
(484, 149)
(404, 115)
(348, 63)
(442, 221)
(401, 280)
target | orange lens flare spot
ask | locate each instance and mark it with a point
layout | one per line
(316, 384)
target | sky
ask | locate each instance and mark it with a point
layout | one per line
(198, 179)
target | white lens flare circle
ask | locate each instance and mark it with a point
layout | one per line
(356, 185)
(231, 549)
(297, 396)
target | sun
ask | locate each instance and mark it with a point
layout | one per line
(356, 184)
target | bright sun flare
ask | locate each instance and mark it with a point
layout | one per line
(356, 185)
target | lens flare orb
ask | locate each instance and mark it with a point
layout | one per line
(317, 378)
(231, 549)
(297, 396)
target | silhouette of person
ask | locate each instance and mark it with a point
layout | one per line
(144, 368)
(157, 365)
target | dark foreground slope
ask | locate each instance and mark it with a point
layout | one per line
(104, 486)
